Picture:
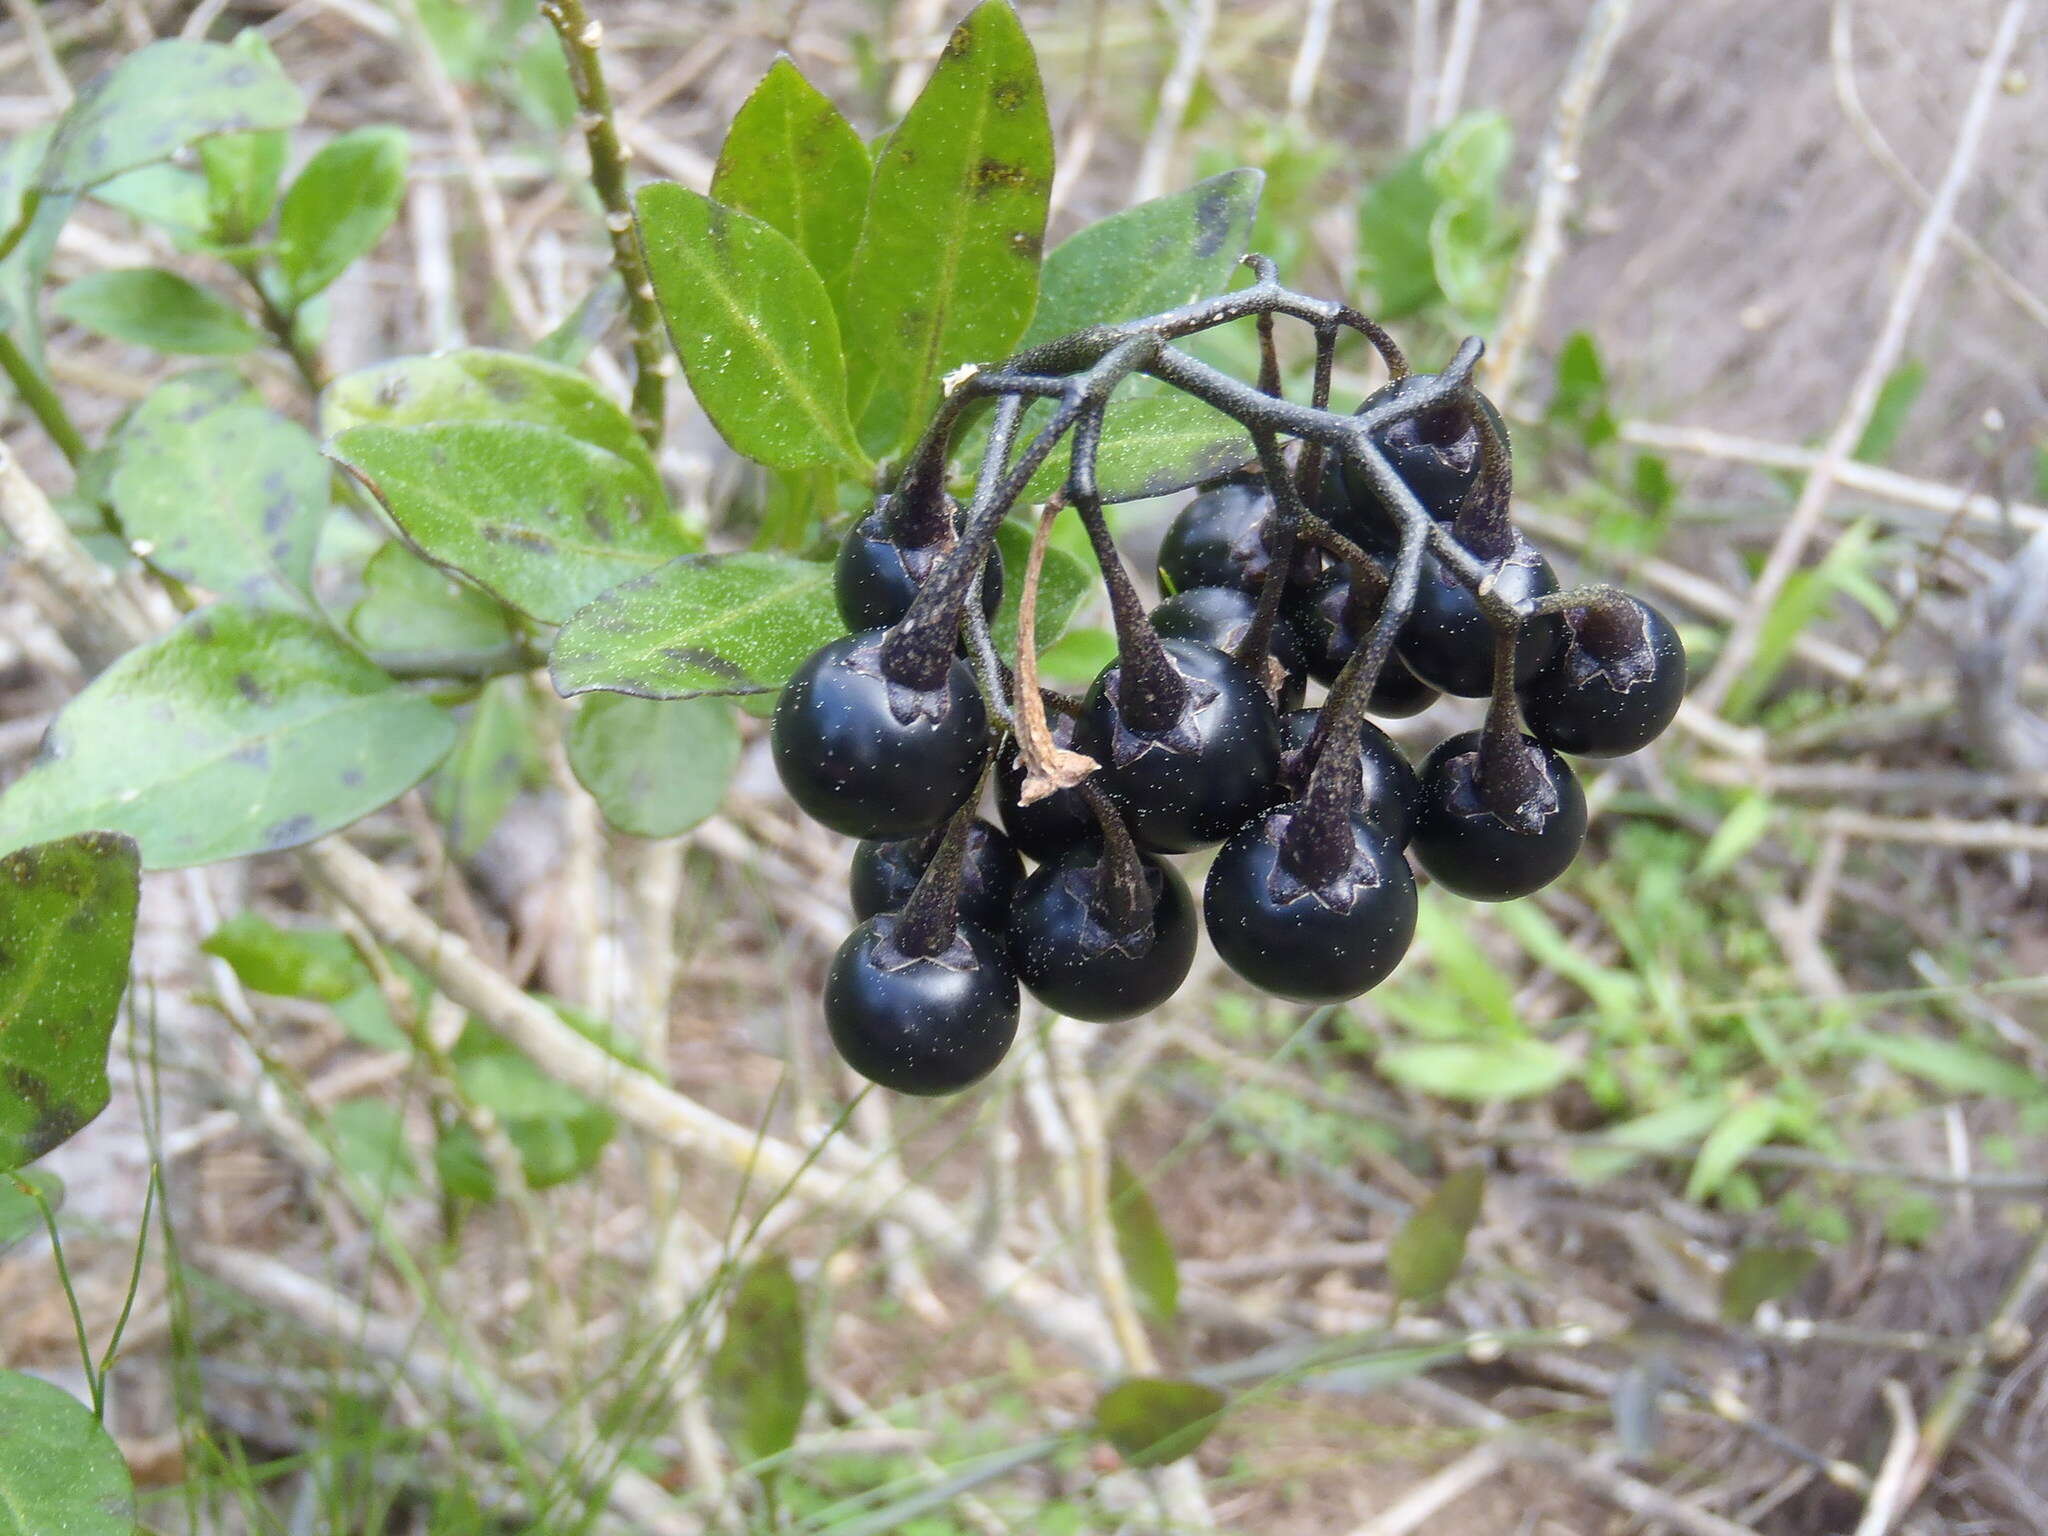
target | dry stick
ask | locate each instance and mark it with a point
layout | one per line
(581, 37)
(1422, 69)
(1939, 832)
(1786, 555)
(1557, 176)
(1308, 60)
(1842, 55)
(1199, 21)
(1450, 87)
(1428, 1498)
(1888, 1493)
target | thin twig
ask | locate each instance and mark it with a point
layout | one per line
(1450, 86)
(1197, 23)
(1308, 60)
(1790, 549)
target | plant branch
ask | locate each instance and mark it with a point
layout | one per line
(41, 399)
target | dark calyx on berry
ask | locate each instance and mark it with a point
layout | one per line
(1613, 685)
(1194, 782)
(872, 758)
(1068, 949)
(1046, 828)
(1467, 847)
(1391, 790)
(922, 1024)
(1437, 453)
(1328, 630)
(1312, 944)
(1222, 617)
(877, 573)
(1448, 642)
(884, 875)
(1219, 540)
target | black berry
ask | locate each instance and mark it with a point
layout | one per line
(1046, 828)
(1437, 453)
(1327, 628)
(876, 575)
(872, 758)
(1218, 540)
(1073, 955)
(1467, 848)
(1614, 684)
(1447, 641)
(916, 1023)
(1221, 617)
(884, 875)
(1391, 791)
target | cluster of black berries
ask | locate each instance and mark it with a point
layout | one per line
(1397, 577)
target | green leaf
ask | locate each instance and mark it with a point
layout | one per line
(585, 325)
(244, 730)
(19, 1213)
(1152, 1420)
(1748, 819)
(1079, 657)
(243, 171)
(1953, 1066)
(158, 100)
(1426, 227)
(230, 498)
(1746, 1126)
(533, 516)
(1152, 445)
(795, 164)
(67, 923)
(316, 963)
(494, 757)
(154, 308)
(655, 768)
(483, 385)
(60, 1471)
(704, 624)
(1143, 1245)
(946, 271)
(1497, 1069)
(369, 1143)
(1150, 258)
(1761, 1274)
(338, 208)
(1895, 400)
(1580, 399)
(1427, 1251)
(754, 326)
(461, 1166)
(415, 610)
(1062, 584)
(558, 1133)
(168, 196)
(758, 1381)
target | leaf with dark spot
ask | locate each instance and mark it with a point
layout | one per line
(67, 923)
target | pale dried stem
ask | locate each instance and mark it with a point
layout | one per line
(1888, 1493)
(1450, 87)
(1422, 70)
(1428, 1498)
(100, 606)
(28, 16)
(1557, 178)
(1308, 59)
(1939, 832)
(905, 1275)
(1790, 549)
(1198, 22)
(1049, 768)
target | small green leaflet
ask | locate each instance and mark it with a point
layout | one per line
(67, 924)
(1761, 1274)
(495, 756)
(60, 1472)
(704, 624)
(1062, 584)
(1153, 1420)
(1426, 1253)
(1496, 1069)
(154, 308)
(316, 963)
(412, 610)
(752, 322)
(655, 767)
(244, 730)
(946, 271)
(1142, 1244)
(558, 1133)
(339, 207)
(758, 1380)
(1746, 1126)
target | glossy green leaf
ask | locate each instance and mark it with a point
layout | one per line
(558, 1133)
(1142, 1244)
(1152, 1420)
(1426, 1253)
(1150, 258)
(411, 609)
(1764, 1273)
(316, 963)
(755, 329)
(61, 1474)
(758, 1380)
(1152, 445)
(154, 308)
(1494, 1069)
(794, 163)
(655, 767)
(483, 385)
(705, 624)
(67, 924)
(20, 1215)
(1746, 1126)
(230, 498)
(1580, 399)
(535, 517)
(159, 99)
(244, 730)
(946, 271)
(338, 208)
(495, 756)
(1061, 585)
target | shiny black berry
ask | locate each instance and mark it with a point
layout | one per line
(1196, 781)
(1614, 684)
(1437, 453)
(884, 875)
(1391, 791)
(875, 575)
(1447, 641)
(921, 1024)
(871, 758)
(1221, 617)
(1318, 944)
(1046, 828)
(1468, 848)
(1218, 540)
(1327, 631)
(1070, 952)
